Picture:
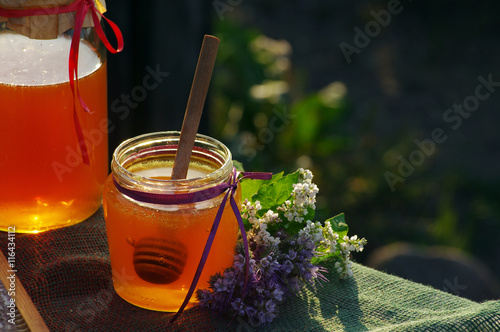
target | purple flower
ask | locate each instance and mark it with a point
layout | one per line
(287, 267)
(264, 262)
(291, 255)
(270, 305)
(221, 285)
(239, 262)
(258, 303)
(278, 294)
(273, 273)
(266, 317)
(204, 296)
(238, 307)
(251, 311)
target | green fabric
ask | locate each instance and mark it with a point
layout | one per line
(68, 276)
(374, 301)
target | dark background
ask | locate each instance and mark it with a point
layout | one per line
(397, 89)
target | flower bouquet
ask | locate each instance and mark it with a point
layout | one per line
(285, 248)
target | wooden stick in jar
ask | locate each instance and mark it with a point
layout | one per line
(196, 101)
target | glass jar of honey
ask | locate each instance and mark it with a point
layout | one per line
(54, 152)
(155, 246)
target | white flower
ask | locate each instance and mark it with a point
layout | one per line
(330, 238)
(271, 216)
(312, 231)
(306, 174)
(304, 198)
(249, 211)
(261, 236)
(344, 267)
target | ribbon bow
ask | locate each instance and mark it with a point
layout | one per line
(81, 7)
(230, 188)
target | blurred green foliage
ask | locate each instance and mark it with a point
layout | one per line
(260, 111)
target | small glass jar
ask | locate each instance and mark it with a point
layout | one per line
(154, 248)
(48, 183)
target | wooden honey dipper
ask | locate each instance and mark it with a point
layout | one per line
(159, 261)
(162, 261)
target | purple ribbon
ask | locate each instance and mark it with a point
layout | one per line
(203, 195)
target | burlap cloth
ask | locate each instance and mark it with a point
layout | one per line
(67, 274)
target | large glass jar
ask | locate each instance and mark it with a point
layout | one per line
(54, 156)
(155, 248)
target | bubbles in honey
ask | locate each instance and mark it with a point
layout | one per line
(131, 241)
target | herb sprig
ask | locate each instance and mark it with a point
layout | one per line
(286, 249)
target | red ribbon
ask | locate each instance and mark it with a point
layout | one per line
(199, 196)
(81, 7)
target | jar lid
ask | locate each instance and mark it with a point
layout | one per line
(45, 26)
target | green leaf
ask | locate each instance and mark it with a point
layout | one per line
(339, 225)
(249, 187)
(238, 165)
(316, 260)
(293, 227)
(275, 177)
(274, 194)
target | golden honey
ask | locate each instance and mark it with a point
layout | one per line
(48, 184)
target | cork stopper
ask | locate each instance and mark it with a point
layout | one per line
(44, 26)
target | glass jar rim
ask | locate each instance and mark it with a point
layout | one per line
(206, 147)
